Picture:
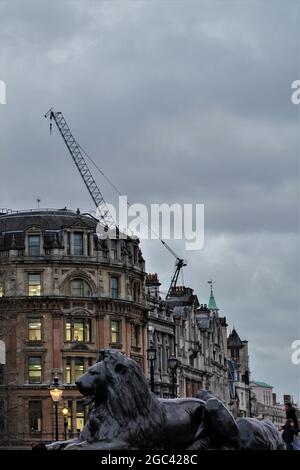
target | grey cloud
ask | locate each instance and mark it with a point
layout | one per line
(177, 102)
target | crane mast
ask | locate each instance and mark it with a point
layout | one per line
(79, 160)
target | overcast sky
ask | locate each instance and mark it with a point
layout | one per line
(177, 101)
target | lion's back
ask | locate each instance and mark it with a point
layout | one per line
(259, 435)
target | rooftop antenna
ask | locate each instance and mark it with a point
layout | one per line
(38, 201)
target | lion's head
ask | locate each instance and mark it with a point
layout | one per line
(123, 402)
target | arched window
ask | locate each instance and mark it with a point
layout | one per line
(80, 288)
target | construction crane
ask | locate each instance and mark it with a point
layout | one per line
(178, 266)
(105, 217)
(79, 160)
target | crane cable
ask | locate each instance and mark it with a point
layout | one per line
(128, 204)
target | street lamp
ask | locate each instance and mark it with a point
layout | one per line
(247, 383)
(65, 413)
(173, 363)
(151, 356)
(56, 391)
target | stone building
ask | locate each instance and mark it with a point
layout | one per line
(200, 345)
(237, 351)
(161, 333)
(64, 294)
(265, 405)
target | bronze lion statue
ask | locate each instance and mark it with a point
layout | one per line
(126, 415)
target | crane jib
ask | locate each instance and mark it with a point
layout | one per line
(79, 160)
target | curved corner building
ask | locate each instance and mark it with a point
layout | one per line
(64, 294)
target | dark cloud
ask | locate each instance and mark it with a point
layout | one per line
(177, 101)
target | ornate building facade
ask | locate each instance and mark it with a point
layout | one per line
(64, 294)
(161, 336)
(200, 344)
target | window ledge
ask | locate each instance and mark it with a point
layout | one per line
(115, 345)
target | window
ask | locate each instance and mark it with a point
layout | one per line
(87, 330)
(34, 284)
(34, 329)
(136, 292)
(34, 243)
(88, 245)
(69, 416)
(242, 398)
(80, 419)
(68, 243)
(114, 287)
(35, 416)
(1, 290)
(115, 331)
(35, 370)
(135, 255)
(114, 249)
(135, 335)
(68, 371)
(78, 329)
(68, 331)
(2, 416)
(79, 367)
(78, 244)
(80, 288)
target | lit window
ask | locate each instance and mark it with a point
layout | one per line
(34, 242)
(114, 249)
(35, 370)
(79, 367)
(34, 284)
(35, 416)
(87, 330)
(34, 329)
(79, 288)
(78, 329)
(69, 416)
(115, 331)
(80, 418)
(78, 244)
(68, 333)
(68, 370)
(1, 290)
(114, 287)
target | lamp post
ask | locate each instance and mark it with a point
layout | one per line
(56, 391)
(247, 383)
(65, 413)
(173, 363)
(151, 356)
